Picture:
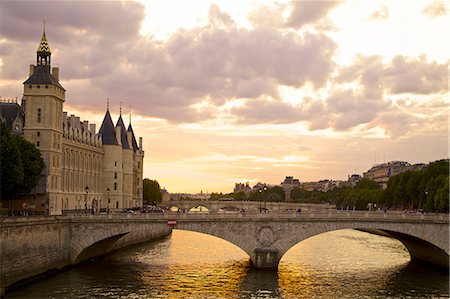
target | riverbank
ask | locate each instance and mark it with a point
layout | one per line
(35, 246)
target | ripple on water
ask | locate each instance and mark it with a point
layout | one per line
(339, 264)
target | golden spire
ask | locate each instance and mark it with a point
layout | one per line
(43, 46)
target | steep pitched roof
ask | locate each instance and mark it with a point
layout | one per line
(9, 112)
(108, 131)
(133, 139)
(123, 132)
(42, 75)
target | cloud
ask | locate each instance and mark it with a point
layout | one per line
(400, 75)
(436, 9)
(381, 14)
(268, 16)
(411, 75)
(307, 12)
(351, 108)
(218, 61)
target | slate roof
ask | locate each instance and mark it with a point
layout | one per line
(9, 112)
(133, 139)
(42, 75)
(108, 131)
(123, 132)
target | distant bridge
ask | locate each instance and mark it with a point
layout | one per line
(249, 206)
(32, 245)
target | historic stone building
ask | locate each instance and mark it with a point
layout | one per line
(84, 169)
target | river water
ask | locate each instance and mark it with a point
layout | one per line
(339, 264)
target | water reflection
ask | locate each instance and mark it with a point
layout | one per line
(340, 264)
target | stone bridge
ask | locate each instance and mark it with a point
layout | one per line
(248, 206)
(33, 245)
(266, 237)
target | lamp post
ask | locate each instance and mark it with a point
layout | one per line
(109, 201)
(264, 198)
(86, 198)
(420, 202)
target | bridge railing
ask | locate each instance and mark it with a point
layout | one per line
(320, 215)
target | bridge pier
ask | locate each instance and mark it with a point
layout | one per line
(266, 257)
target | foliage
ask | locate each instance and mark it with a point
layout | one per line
(32, 162)
(426, 190)
(366, 184)
(152, 192)
(21, 164)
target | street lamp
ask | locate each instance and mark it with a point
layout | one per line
(109, 201)
(86, 198)
(264, 198)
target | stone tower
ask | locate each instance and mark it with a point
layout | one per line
(43, 119)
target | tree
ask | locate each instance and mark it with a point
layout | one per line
(32, 162)
(239, 196)
(366, 184)
(21, 165)
(11, 168)
(152, 192)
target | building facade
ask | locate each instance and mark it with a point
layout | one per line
(84, 169)
(382, 172)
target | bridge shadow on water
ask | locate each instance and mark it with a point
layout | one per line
(198, 266)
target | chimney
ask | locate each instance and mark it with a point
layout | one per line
(32, 68)
(86, 125)
(140, 143)
(118, 136)
(77, 122)
(55, 73)
(92, 128)
(130, 139)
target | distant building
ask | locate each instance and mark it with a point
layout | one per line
(288, 184)
(382, 172)
(241, 187)
(353, 180)
(259, 186)
(322, 185)
(165, 195)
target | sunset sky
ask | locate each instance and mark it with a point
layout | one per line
(237, 91)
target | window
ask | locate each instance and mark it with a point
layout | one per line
(115, 163)
(39, 115)
(115, 175)
(46, 86)
(30, 86)
(139, 165)
(115, 186)
(38, 86)
(37, 143)
(38, 134)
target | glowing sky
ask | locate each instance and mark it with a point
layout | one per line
(237, 91)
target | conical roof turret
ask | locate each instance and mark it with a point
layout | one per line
(107, 130)
(123, 132)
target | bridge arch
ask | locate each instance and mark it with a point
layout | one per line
(267, 241)
(95, 249)
(214, 230)
(421, 245)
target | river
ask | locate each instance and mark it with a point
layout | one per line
(339, 264)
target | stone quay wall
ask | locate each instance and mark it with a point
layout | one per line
(31, 246)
